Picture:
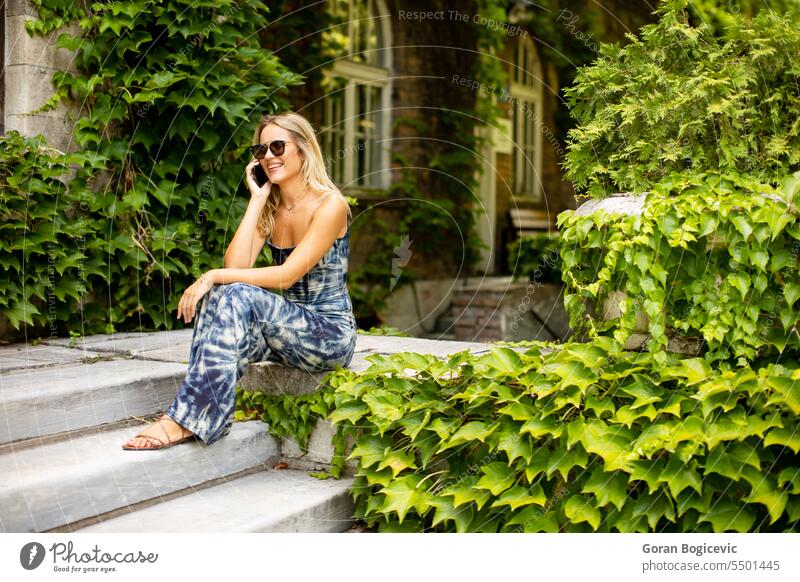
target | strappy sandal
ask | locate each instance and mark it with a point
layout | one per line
(161, 444)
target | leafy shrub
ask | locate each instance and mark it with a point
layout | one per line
(293, 417)
(536, 258)
(49, 249)
(679, 98)
(714, 256)
(585, 437)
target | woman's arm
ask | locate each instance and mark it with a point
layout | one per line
(317, 241)
(273, 277)
(247, 243)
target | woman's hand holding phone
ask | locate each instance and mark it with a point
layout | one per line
(252, 174)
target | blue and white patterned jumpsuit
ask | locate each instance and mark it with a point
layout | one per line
(310, 326)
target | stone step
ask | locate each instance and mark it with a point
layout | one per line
(440, 335)
(171, 345)
(49, 400)
(48, 486)
(23, 356)
(282, 501)
(319, 453)
(272, 378)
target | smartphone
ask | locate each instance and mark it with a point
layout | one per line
(259, 175)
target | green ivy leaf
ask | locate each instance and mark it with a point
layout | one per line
(403, 495)
(518, 411)
(678, 476)
(519, 496)
(513, 444)
(499, 361)
(351, 412)
(538, 464)
(787, 391)
(572, 374)
(539, 427)
(563, 461)
(610, 443)
(497, 477)
(533, 519)
(653, 508)
(414, 423)
(783, 436)
(443, 427)
(791, 291)
(725, 515)
(370, 449)
(446, 511)
(465, 492)
(579, 508)
(790, 475)
(694, 370)
(398, 461)
(764, 490)
(648, 471)
(384, 404)
(608, 487)
(471, 431)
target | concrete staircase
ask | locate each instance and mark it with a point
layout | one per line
(66, 407)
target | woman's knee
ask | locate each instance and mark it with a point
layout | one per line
(249, 300)
(234, 289)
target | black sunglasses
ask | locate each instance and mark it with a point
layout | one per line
(277, 148)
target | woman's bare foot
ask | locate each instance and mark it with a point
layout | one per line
(159, 434)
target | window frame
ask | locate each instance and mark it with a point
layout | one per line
(530, 90)
(356, 75)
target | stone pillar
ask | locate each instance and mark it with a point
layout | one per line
(2, 68)
(30, 62)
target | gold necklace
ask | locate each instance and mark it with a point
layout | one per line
(291, 208)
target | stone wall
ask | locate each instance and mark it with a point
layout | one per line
(2, 68)
(30, 62)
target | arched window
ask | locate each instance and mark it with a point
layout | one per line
(355, 135)
(526, 110)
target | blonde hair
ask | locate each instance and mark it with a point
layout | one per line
(315, 176)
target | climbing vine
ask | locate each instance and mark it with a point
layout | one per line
(571, 437)
(49, 250)
(711, 256)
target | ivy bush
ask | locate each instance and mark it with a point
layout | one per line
(680, 98)
(171, 96)
(49, 249)
(576, 437)
(712, 256)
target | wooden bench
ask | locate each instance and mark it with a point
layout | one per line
(530, 222)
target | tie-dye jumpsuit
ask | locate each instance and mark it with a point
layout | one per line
(309, 326)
